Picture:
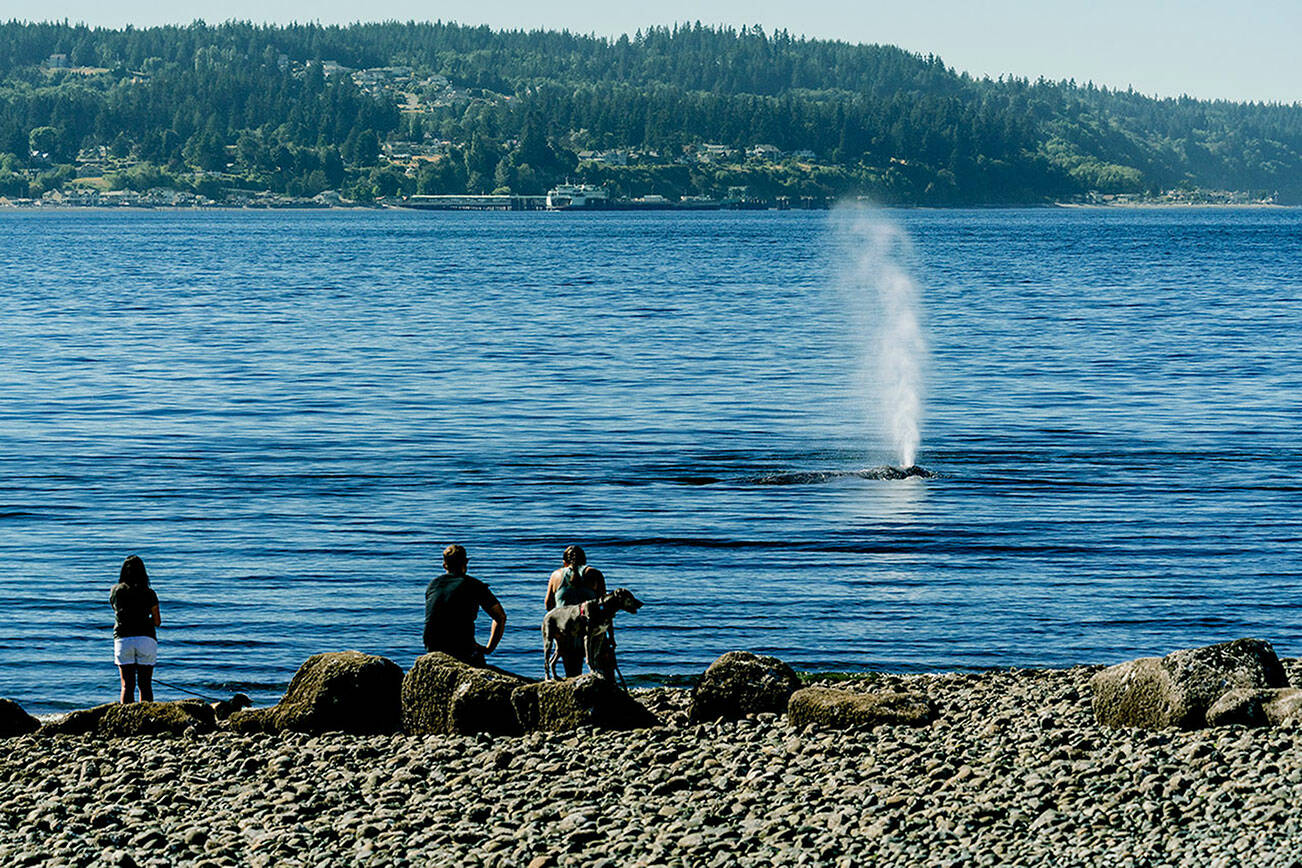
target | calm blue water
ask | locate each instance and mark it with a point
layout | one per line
(288, 415)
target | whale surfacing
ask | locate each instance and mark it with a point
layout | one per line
(816, 477)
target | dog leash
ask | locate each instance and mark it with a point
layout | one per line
(184, 690)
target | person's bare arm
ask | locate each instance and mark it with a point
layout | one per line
(155, 617)
(498, 614)
(549, 602)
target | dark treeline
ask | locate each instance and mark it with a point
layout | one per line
(238, 105)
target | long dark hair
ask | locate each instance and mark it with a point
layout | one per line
(133, 573)
(574, 558)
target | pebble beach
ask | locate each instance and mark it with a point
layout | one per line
(1014, 770)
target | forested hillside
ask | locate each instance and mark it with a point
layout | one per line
(388, 109)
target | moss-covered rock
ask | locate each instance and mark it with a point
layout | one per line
(115, 720)
(442, 694)
(15, 721)
(843, 709)
(1179, 689)
(156, 718)
(588, 700)
(340, 691)
(251, 721)
(741, 683)
(1247, 706)
(83, 721)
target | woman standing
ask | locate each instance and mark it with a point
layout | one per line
(135, 642)
(576, 582)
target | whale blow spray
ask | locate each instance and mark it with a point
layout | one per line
(886, 301)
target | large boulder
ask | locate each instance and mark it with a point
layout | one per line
(1249, 706)
(842, 709)
(340, 691)
(588, 700)
(252, 720)
(15, 721)
(115, 720)
(1179, 689)
(83, 721)
(442, 694)
(741, 683)
(157, 718)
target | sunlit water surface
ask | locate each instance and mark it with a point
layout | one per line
(288, 415)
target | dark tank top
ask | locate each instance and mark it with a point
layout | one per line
(133, 611)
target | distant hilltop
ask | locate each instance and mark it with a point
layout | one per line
(238, 112)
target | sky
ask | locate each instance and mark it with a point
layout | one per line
(1230, 49)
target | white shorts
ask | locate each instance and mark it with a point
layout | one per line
(135, 651)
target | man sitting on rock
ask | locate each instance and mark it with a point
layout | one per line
(452, 601)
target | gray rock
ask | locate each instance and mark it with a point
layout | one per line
(1178, 690)
(1285, 707)
(442, 694)
(15, 721)
(1248, 706)
(341, 691)
(588, 700)
(118, 858)
(842, 709)
(741, 683)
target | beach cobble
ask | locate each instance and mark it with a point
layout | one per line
(1014, 770)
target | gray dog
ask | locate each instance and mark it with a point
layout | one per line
(588, 621)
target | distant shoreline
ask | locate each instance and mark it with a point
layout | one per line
(8, 207)
(1110, 206)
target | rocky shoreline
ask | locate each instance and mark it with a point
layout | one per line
(1012, 768)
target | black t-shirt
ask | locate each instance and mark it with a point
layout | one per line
(133, 611)
(451, 604)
